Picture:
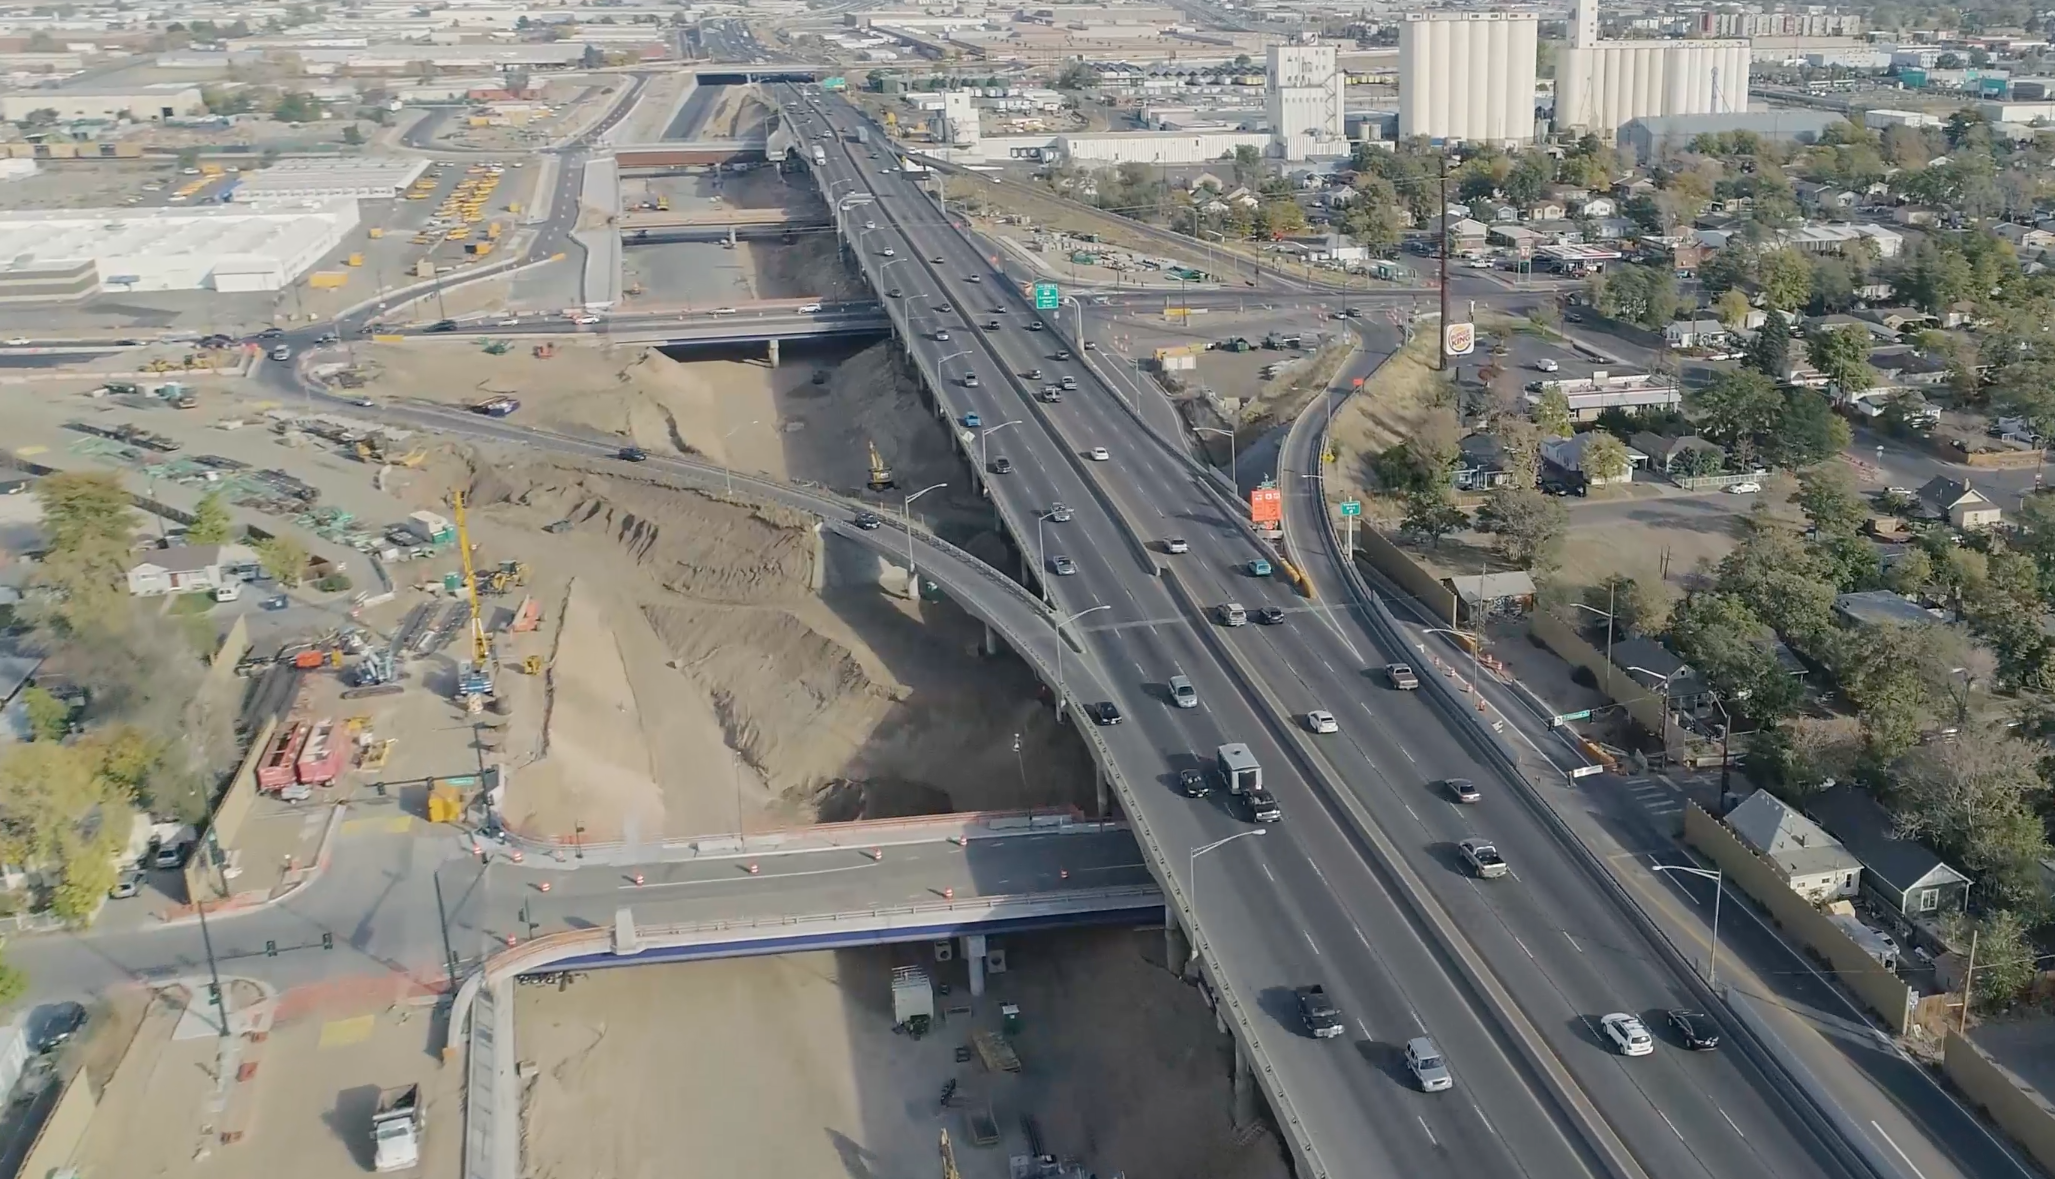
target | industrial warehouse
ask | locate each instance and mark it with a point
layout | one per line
(69, 254)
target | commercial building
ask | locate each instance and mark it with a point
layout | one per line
(1653, 137)
(143, 104)
(1305, 101)
(958, 122)
(321, 178)
(70, 253)
(1468, 76)
(1603, 85)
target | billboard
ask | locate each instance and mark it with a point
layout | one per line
(1266, 506)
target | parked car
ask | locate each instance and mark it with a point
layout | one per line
(1745, 487)
(128, 886)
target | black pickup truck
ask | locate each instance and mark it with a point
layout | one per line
(1322, 1018)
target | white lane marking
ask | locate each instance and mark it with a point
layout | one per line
(1408, 753)
(1418, 1024)
(1672, 1125)
(1414, 813)
(1359, 934)
(1316, 870)
(1310, 942)
(1573, 942)
(1430, 1133)
(1730, 1122)
(1329, 666)
(1363, 1028)
(1522, 945)
(1894, 1146)
(1488, 1127)
(1266, 872)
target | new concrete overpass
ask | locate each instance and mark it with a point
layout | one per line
(641, 158)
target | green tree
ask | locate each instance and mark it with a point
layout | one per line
(13, 983)
(1248, 165)
(1636, 608)
(1728, 643)
(49, 718)
(1552, 413)
(1732, 307)
(211, 522)
(1826, 494)
(1808, 431)
(1842, 355)
(1280, 218)
(1526, 525)
(1737, 409)
(1769, 353)
(1432, 515)
(1967, 795)
(1785, 277)
(297, 107)
(1783, 582)
(283, 558)
(1606, 458)
(2005, 959)
(89, 528)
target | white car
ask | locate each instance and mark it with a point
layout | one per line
(1747, 487)
(888, 252)
(1099, 454)
(1547, 365)
(1322, 721)
(585, 320)
(810, 309)
(510, 321)
(1628, 1034)
(870, 225)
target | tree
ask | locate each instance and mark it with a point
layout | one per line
(1280, 218)
(1736, 409)
(1606, 458)
(1432, 516)
(211, 521)
(1248, 165)
(2005, 959)
(1966, 795)
(88, 526)
(1769, 353)
(1078, 75)
(1783, 582)
(1526, 525)
(1842, 355)
(1552, 413)
(1727, 642)
(1826, 494)
(13, 983)
(353, 135)
(49, 718)
(1634, 606)
(1732, 308)
(1895, 676)
(1808, 431)
(1785, 277)
(300, 107)
(283, 558)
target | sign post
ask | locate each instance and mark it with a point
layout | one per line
(1350, 509)
(1047, 297)
(1458, 339)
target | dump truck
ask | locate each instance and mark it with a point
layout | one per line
(913, 999)
(396, 1129)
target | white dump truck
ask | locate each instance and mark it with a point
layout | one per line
(396, 1129)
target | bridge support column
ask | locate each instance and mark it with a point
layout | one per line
(991, 640)
(974, 961)
(772, 350)
(1244, 1088)
(1177, 950)
(1099, 783)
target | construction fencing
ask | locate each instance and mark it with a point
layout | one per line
(1877, 986)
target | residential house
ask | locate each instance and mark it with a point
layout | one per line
(1667, 454)
(1695, 333)
(1902, 874)
(1904, 365)
(1898, 319)
(1834, 323)
(1207, 180)
(1598, 208)
(1661, 671)
(179, 569)
(1811, 861)
(1480, 463)
(1925, 215)
(1866, 608)
(1519, 237)
(1568, 455)
(1465, 236)
(1960, 504)
(1824, 199)
(2025, 237)
(1546, 211)
(1242, 197)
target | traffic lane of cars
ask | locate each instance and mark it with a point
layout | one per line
(1312, 934)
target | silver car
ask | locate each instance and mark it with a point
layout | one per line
(1183, 693)
(1427, 1066)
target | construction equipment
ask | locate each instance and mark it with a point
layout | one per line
(498, 347)
(881, 475)
(376, 668)
(532, 665)
(949, 1170)
(545, 351)
(445, 803)
(474, 677)
(509, 575)
(375, 755)
(997, 1054)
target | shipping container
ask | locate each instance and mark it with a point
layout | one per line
(322, 757)
(328, 280)
(276, 770)
(354, 260)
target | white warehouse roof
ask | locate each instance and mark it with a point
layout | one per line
(328, 177)
(219, 248)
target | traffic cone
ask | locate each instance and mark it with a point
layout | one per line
(516, 853)
(1062, 873)
(877, 854)
(948, 894)
(510, 941)
(544, 886)
(752, 869)
(637, 878)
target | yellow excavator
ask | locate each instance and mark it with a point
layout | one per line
(881, 475)
(509, 575)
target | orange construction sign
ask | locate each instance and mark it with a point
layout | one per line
(1266, 505)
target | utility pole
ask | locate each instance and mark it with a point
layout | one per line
(1969, 977)
(1441, 346)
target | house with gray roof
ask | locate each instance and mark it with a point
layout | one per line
(1903, 874)
(1811, 861)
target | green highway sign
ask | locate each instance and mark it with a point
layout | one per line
(1573, 716)
(1046, 297)
(1352, 507)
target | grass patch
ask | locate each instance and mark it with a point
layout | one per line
(1404, 396)
(192, 604)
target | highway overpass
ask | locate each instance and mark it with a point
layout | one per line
(642, 158)
(1357, 888)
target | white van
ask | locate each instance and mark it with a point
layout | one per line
(227, 593)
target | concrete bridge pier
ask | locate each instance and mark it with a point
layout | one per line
(991, 641)
(974, 961)
(771, 348)
(1244, 1088)
(1177, 949)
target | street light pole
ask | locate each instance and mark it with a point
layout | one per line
(1061, 695)
(987, 432)
(1192, 878)
(1719, 879)
(729, 466)
(906, 519)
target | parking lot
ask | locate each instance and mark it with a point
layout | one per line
(299, 1102)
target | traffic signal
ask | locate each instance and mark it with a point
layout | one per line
(271, 949)
(328, 941)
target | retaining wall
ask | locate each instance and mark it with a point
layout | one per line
(2017, 1107)
(1647, 708)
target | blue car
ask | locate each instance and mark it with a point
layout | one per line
(972, 421)
(1260, 567)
